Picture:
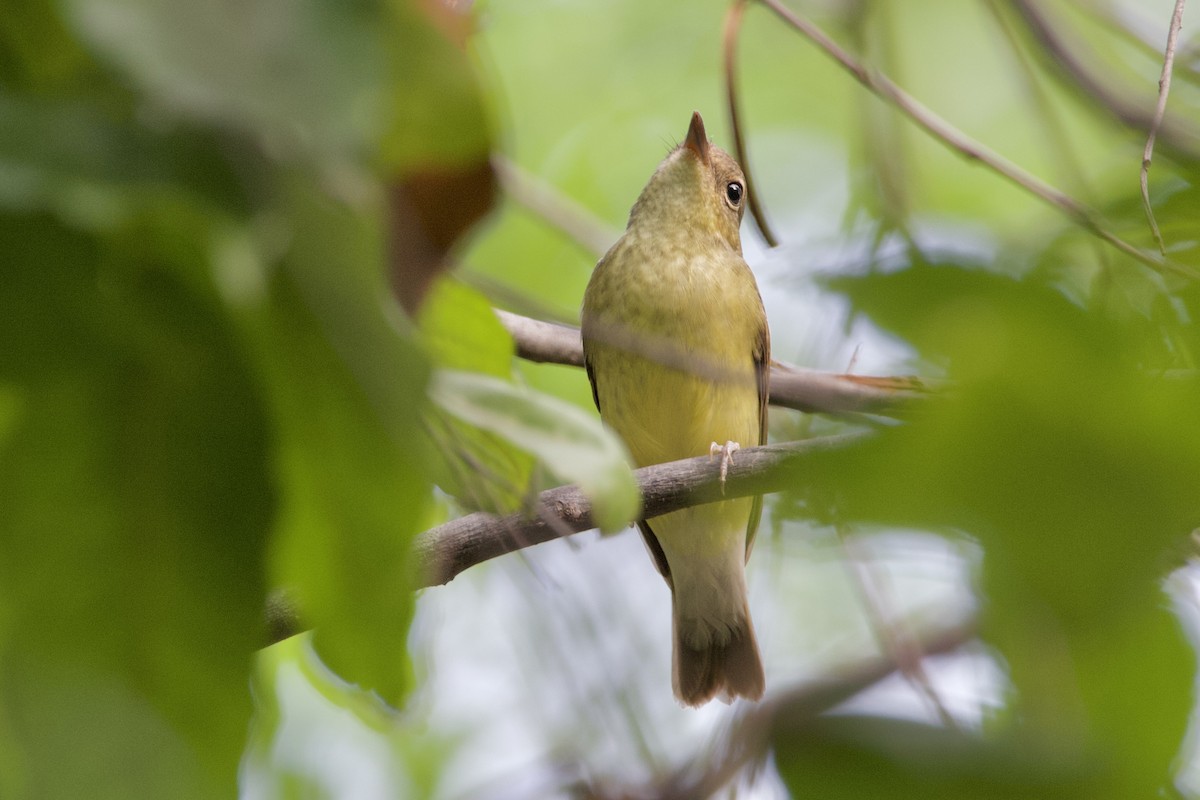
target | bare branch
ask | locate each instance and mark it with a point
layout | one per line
(543, 342)
(955, 139)
(801, 389)
(748, 739)
(580, 225)
(1164, 88)
(445, 551)
(893, 635)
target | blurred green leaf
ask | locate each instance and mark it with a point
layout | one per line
(311, 77)
(346, 389)
(572, 444)
(1075, 466)
(437, 106)
(483, 470)
(1052, 446)
(135, 496)
(308, 75)
(462, 332)
(856, 757)
(39, 54)
(96, 172)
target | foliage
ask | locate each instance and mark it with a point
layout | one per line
(208, 389)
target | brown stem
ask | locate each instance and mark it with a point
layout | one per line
(733, 26)
(1164, 88)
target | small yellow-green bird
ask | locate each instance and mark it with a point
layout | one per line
(677, 350)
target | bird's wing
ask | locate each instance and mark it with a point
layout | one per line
(656, 551)
(762, 368)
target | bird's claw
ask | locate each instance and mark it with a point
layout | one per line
(726, 450)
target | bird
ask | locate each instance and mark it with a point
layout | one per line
(677, 350)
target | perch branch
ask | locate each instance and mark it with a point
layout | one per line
(445, 551)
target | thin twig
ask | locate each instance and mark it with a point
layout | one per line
(580, 225)
(956, 140)
(1064, 149)
(1164, 88)
(805, 390)
(893, 639)
(793, 708)
(733, 26)
(1126, 25)
(1063, 60)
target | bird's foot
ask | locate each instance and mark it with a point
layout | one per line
(726, 450)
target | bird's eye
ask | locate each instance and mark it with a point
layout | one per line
(734, 192)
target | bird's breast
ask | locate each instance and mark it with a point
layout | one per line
(670, 334)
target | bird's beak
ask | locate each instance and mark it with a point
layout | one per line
(697, 139)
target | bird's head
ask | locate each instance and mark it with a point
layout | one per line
(698, 191)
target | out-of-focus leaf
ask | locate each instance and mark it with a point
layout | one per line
(307, 76)
(431, 207)
(400, 760)
(1052, 445)
(39, 54)
(346, 389)
(483, 470)
(135, 499)
(857, 757)
(95, 172)
(571, 443)
(437, 109)
(462, 332)
(436, 146)
(1075, 466)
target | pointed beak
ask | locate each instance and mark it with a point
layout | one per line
(697, 139)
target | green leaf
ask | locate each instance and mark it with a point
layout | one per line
(311, 78)
(482, 470)
(346, 388)
(1071, 463)
(308, 75)
(437, 110)
(135, 499)
(462, 332)
(97, 172)
(1074, 464)
(857, 757)
(572, 443)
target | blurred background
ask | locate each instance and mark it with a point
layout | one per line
(242, 246)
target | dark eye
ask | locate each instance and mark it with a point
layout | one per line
(734, 192)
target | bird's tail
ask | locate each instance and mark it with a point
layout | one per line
(725, 665)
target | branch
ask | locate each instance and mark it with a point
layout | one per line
(733, 26)
(1063, 61)
(1164, 88)
(806, 390)
(445, 551)
(954, 139)
(562, 213)
(748, 739)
